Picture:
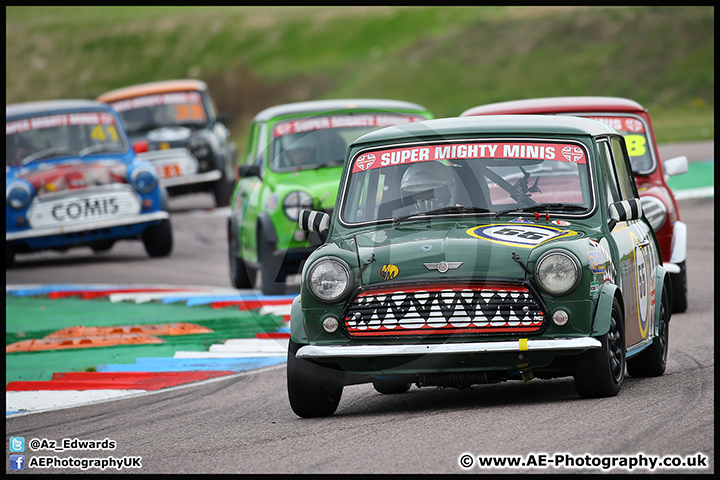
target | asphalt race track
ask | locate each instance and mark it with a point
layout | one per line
(243, 423)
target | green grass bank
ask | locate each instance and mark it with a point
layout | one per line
(445, 58)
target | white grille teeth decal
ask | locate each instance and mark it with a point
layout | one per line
(487, 310)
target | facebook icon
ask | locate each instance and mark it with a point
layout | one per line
(17, 462)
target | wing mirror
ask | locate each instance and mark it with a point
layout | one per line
(675, 166)
(312, 221)
(623, 211)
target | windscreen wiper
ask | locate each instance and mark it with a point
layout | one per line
(100, 148)
(441, 210)
(48, 152)
(566, 207)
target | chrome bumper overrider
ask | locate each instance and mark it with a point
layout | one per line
(85, 226)
(316, 351)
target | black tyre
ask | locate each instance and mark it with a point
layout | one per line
(273, 273)
(222, 190)
(101, 246)
(679, 289)
(313, 391)
(600, 372)
(158, 239)
(9, 256)
(241, 275)
(390, 387)
(652, 361)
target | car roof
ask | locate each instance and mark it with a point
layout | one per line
(29, 109)
(557, 105)
(153, 88)
(457, 127)
(328, 106)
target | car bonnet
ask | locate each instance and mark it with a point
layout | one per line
(442, 250)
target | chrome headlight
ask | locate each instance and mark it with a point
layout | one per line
(329, 279)
(296, 201)
(654, 211)
(18, 195)
(557, 272)
(144, 179)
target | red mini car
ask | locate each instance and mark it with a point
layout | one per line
(633, 121)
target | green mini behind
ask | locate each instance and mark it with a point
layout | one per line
(294, 160)
(477, 250)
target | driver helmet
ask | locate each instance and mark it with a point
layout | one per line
(428, 185)
(301, 152)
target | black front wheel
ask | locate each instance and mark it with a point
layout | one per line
(679, 289)
(390, 387)
(222, 190)
(158, 239)
(313, 391)
(241, 275)
(600, 372)
(9, 256)
(274, 271)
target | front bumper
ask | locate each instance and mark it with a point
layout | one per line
(86, 226)
(512, 346)
(206, 177)
(177, 166)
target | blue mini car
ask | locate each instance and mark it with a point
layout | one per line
(72, 179)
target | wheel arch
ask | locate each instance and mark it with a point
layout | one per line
(601, 321)
(264, 224)
(663, 285)
(297, 325)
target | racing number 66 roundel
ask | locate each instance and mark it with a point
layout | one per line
(518, 234)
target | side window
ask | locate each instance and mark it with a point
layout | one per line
(606, 166)
(209, 106)
(624, 173)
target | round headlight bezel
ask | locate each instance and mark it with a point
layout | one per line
(558, 254)
(140, 178)
(294, 202)
(18, 195)
(325, 262)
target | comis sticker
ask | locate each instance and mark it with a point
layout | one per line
(518, 235)
(50, 121)
(342, 121)
(559, 152)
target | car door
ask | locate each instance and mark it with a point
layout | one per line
(637, 250)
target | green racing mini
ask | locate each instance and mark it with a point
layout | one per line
(476, 250)
(294, 158)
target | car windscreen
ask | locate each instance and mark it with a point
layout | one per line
(144, 113)
(44, 137)
(320, 141)
(468, 178)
